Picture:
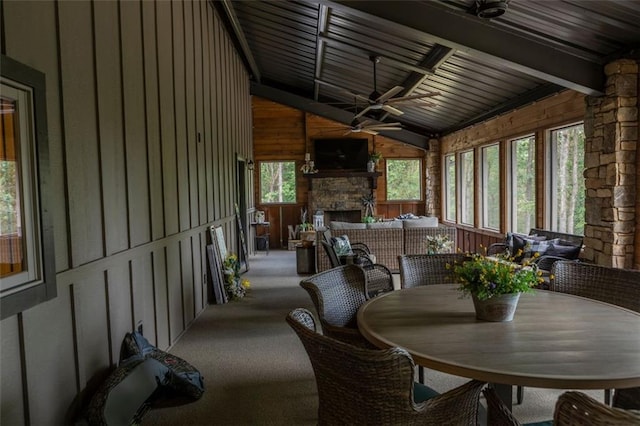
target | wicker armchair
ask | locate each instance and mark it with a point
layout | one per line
(359, 386)
(379, 277)
(337, 294)
(572, 409)
(424, 269)
(617, 286)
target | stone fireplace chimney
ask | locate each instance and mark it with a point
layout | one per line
(339, 195)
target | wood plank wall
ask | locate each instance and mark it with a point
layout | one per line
(284, 133)
(149, 111)
(536, 119)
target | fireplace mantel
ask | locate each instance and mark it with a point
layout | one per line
(373, 177)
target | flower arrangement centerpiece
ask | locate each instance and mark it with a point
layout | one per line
(438, 244)
(495, 283)
(235, 286)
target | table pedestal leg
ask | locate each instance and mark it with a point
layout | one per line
(505, 392)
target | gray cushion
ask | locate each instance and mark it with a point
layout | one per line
(422, 222)
(347, 225)
(392, 224)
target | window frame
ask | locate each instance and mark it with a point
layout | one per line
(420, 179)
(462, 189)
(550, 183)
(42, 286)
(446, 194)
(511, 208)
(484, 205)
(295, 183)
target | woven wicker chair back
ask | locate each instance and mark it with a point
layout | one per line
(424, 269)
(577, 408)
(358, 386)
(619, 287)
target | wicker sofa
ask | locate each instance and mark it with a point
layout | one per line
(386, 240)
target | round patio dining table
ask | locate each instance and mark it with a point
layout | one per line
(554, 341)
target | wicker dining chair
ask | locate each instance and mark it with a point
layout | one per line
(572, 409)
(379, 277)
(358, 386)
(337, 294)
(424, 269)
(616, 286)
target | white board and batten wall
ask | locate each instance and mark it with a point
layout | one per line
(148, 104)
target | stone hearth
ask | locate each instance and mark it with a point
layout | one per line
(339, 197)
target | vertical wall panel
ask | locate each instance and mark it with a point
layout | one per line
(198, 282)
(92, 329)
(200, 63)
(51, 382)
(143, 296)
(164, 37)
(120, 306)
(12, 408)
(134, 122)
(152, 112)
(81, 138)
(214, 81)
(186, 272)
(177, 23)
(174, 291)
(192, 158)
(109, 94)
(161, 298)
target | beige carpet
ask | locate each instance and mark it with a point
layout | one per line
(255, 368)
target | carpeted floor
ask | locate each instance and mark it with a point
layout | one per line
(256, 370)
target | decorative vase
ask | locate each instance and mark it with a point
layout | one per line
(498, 308)
(371, 166)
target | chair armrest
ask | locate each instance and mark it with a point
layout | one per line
(360, 246)
(545, 263)
(497, 248)
(379, 279)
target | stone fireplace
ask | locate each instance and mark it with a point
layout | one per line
(339, 196)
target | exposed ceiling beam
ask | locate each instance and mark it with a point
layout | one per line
(234, 23)
(329, 112)
(323, 18)
(478, 38)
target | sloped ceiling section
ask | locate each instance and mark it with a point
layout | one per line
(318, 56)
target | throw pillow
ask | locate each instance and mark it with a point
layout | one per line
(540, 247)
(569, 252)
(518, 243)
(341, 245)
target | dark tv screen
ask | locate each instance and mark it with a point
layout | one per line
(341, 154)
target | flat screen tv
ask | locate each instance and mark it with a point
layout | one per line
(341, 154)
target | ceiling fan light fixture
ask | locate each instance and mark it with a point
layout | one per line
(487, 9)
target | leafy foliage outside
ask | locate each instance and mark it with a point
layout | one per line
(523, 189)
(277, 182)
(450, 186)
(491, 186)
(8, 198)
(568, 188)
(467, 186)
(403, 179)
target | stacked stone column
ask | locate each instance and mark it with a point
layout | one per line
(611, 168)
(433, 178)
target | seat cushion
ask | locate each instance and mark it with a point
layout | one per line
(569, 252)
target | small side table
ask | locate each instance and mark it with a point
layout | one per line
(262, 234)
(305, 259)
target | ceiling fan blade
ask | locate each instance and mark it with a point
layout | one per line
(371, 132)
(411, 97)
(392, 110)
(382, 129)
(389, 93)
(363, 112)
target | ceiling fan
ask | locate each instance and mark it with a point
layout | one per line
(386, 100)
(371, 127)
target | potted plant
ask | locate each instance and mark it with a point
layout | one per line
(438, 244)
(495, 284)
(374, 158)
